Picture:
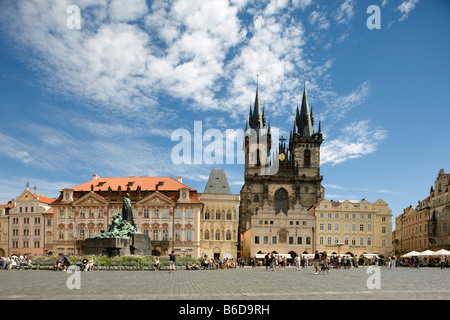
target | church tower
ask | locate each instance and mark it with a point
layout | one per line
(285, 181)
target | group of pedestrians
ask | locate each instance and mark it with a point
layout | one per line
(274, 262)
(15, 262)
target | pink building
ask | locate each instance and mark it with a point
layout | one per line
(26, 223)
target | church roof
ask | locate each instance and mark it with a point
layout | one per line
(217, 182)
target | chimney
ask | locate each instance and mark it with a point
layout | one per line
(180, 179)
(95, 177)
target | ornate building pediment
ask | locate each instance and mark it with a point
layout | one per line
(90, 199)
(156, 199)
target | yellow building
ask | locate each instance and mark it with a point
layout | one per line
(219, 219)
(354, 228)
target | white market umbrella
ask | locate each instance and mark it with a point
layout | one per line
(411, 254)
(426, 253)
(442, 252)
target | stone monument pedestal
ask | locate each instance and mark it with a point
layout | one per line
(136, 244)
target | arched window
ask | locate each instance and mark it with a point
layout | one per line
(228, 236)
(207, 215)
(206, 235)
(307, 157)
(281, 201)
(229, 215)
(217, 215)
(217, 235)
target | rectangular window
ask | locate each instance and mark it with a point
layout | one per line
(155, 213)
(329, 226)
(329, 215)
(37, 220)
(61, 235)
(361, 241)
(177, 235)
(383, 229)
(146, 213)
(308, 240)
(345, 226)
(166, 213)
(336, 240)
(299, 240)
(346, 215)
(336, 227)
(383, 242)
(188, 235)
(321, 240)
(336, 215)
(165, 235)
(346, 241)
(361, 227)
(81, 234)
(353, 241)
(329, 240)
(274, 239)
(321, 226)
(369, 227)
(353, 226)
(37, 244)
(291, 240)
(178, 213)
(256, 240)
(369, 241)
(266, 240)
(189, 213)
(155, 235)
(37, 232)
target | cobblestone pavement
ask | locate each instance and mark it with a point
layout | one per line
(236, 284)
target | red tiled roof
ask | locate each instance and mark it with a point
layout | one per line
(44, 199)
(146, 183)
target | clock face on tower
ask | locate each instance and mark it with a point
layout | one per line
(282, 156)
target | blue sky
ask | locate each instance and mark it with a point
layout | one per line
(104, 99)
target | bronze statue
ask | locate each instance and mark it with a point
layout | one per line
(127, 211)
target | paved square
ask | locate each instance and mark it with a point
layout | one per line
(235, 284)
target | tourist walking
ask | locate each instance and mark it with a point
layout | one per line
(297, 263)
(325, 267)
(316, 261)
(172, 259)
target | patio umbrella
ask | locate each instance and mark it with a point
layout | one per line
(426, 253)
(411, 254)
(442, 252)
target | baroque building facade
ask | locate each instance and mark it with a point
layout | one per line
(290, 180)
(164, 208)
(26, 223)
(219, 218)
(439, 218)
(353, 228)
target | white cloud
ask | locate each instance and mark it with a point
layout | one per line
(301, 3)
(345, 11)
(318, 19)
(406, 7)
(127, 10)
(355, 141)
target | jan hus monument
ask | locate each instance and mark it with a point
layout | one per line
(122, 237)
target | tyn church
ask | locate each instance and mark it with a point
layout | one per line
(279, 190)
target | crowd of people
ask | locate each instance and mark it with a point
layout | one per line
(15, 262)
